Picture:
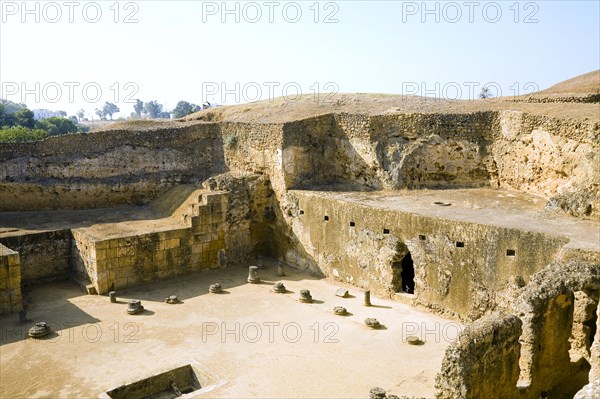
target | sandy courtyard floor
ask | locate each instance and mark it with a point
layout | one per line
(257, 343)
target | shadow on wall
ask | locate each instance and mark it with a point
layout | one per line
(361, 153)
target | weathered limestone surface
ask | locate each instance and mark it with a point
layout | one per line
(106, 169)
(546, 308)
(483, 362)
(127, 260)
(590, 391)
(44, 256)
(250, 215)
(584, 310)
(10, 281)
(254, 207)
(554, 158)
(459, 281)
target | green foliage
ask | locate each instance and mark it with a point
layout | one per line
(56, 126)
(80, 114)
(231, 140)
(11, 107)
(184, 108)
(83, 129)
(153, 108)
(24, 117)
(6, 119)
(20, 134)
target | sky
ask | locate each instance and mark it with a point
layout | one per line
(71, 55)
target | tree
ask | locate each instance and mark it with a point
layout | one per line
(11, 107)
(485, 93)
(24, 117)
(20, 134)
(100, 113)
(153, 108)
(7, 113)
(80, 114)
(110, 109)
(62, 113)
(138, 107)
(56, 126)
(184, 108)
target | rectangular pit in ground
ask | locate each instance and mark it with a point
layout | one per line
(181, 382)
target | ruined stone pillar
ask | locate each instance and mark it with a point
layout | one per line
(367, 299)
(253, 275)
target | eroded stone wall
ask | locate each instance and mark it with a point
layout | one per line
(250, 215)
(557, 159)
(546, 308)
(44, 256)
(10, 281)
(483, 362)
(106, 168)
(459, 267)
(388, 151)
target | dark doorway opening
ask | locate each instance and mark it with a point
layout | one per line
(592, 326)
(408, 274)
(404, 274)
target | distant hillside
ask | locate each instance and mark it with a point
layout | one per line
(588, 83)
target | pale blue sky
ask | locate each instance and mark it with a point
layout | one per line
(183, 50)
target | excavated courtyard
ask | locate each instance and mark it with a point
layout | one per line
(474, 225)
(254, 342)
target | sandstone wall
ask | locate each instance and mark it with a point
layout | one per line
(483, 362)
(105, 169)
(10, 281)
(388, 151)
(250, 215)
(557, 159)
(460, 267)
(131, 260)
(546, 308)
(44, 256)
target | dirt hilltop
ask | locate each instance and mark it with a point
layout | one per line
(559, 101)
